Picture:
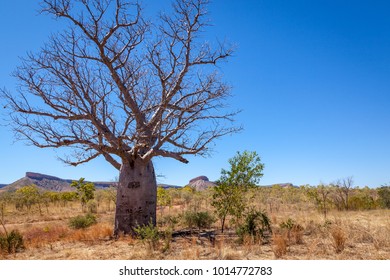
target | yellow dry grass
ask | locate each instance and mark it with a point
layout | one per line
(344, 235)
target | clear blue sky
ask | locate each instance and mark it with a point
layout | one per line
(312, 79)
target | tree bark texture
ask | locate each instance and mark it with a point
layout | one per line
(136, 197)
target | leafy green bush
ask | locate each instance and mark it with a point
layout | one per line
(149, 234)
(256, 224)
(11, 243)
(198, 219)
(81, 222)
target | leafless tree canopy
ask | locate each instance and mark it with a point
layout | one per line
(117, 85)
(343, 188)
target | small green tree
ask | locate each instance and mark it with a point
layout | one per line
(28, 196)
(228, 196)
(66, 197)
(85, 191)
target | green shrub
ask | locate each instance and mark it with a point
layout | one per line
(11, 243)
(81, 222)
(198, 219)
(361, 202)
(256, 224)
(149, 234)
(384, 196)
(289, 224)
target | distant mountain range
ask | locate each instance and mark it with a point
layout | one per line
(47, 182)
(52, 183)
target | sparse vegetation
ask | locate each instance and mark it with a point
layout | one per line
(279, 245)
(11, 242)
(384, 194)
(339, 239)
(81, 222)
(294, 231)
(229, 195)
(256, 225)
(85, 191)
(148, 234)
(199, 220)
(289, 226)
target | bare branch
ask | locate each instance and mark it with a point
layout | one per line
(116, 86)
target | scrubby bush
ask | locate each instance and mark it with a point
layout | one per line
(288, 224)
(361, 201)
(11, 243)
(92, 206)
(81, 222)
(339, 239)
(168, 221)
(384, 195)
(256, 225)
(279, 245)
(148, 234)
(198, 219)
(293, 229)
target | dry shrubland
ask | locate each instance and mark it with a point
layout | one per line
(298, 230)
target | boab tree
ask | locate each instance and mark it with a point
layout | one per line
(116, 85)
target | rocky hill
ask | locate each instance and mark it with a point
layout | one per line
(201, 183)
(47, 182)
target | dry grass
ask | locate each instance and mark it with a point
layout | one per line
(345, 235)
(279, 245)
(37, 237)
(297, 234)
(339, 239)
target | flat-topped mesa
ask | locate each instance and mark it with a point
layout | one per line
(38, 176)
(201, 183)
(43, 179)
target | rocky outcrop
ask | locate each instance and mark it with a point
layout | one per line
(201, 183)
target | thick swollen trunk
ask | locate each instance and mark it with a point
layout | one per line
(136, 197)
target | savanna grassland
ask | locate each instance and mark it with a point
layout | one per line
(301, 226)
